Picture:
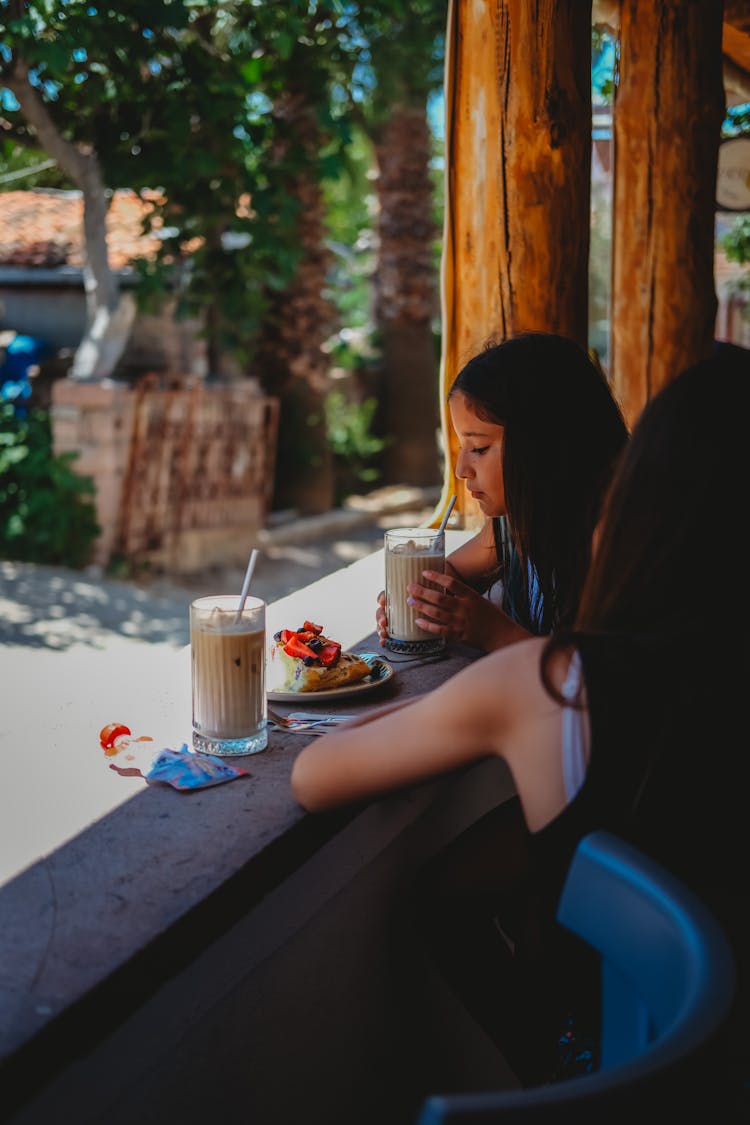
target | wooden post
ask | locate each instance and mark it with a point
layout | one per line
(669, 105)
(518, 159)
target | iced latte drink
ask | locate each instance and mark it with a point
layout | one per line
(228, 675)
(409, 551)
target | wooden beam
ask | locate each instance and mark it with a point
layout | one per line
(518, 159)
(669, 106)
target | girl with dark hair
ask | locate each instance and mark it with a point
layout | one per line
(626, 721)
(540, 433)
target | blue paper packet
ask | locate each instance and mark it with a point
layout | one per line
(184, 769)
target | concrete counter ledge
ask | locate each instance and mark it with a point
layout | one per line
(222, 952)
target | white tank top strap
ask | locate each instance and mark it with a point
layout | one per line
(573, 732)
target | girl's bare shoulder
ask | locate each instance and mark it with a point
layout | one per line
(513, 660)
(514, 673)
(504, 680)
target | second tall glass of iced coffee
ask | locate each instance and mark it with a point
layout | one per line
(409, 551)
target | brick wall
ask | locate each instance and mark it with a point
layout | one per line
(183, 475)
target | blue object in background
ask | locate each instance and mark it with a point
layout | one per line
(21, 354)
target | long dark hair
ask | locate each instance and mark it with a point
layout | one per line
(662, 625)
(563, 434)
(678, 502)
(674, 515)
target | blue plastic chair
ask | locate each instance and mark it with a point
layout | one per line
(668, 981)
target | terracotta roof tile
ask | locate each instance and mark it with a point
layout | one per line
(45, 229)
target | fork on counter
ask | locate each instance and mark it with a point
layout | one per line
(285, 722)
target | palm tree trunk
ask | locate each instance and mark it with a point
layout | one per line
(406, 301)
(290, 357)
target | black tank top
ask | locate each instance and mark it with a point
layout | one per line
(667, 769)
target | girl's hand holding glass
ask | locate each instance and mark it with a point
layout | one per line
(465, 615)
(458, 613)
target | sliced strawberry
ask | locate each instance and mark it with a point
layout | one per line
(309, 626)
(285, 636)
(296, 647)
(329, 654)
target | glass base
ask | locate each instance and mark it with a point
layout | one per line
(230, 747)
(428, 647)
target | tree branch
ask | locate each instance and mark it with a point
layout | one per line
(75, 163)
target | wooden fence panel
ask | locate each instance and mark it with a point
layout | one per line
(200, 475)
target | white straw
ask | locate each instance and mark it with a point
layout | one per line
(446, 517)
(246, 584)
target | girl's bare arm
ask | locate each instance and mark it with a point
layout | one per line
(468, 718)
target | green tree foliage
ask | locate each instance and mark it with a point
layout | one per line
(70, 73)
(354, 445)
(46, 509)
(736, 242)
(350, 203)
(23, 169)
(736, 246)
(185, 98)
(227, 128)
(89, 65)
(192, 103)
(402, 57)
(399, 60)
(400, 68)
(176, 99)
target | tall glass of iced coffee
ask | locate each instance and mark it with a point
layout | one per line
(409, 551)
(228, 651)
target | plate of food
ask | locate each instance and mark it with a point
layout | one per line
(306, 663)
